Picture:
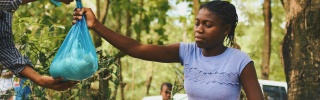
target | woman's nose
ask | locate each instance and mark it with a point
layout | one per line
(199, 29)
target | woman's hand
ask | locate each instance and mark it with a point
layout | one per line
(90, 17)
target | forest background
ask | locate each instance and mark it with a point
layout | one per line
(40, 27)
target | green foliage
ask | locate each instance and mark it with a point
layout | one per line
(39, 38)
(35, 40)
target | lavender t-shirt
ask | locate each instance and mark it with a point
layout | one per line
(214, 77)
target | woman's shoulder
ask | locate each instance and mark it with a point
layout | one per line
(189, 46)
(237, 52)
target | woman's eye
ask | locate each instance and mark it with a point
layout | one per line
(208, 25)
(197, 24)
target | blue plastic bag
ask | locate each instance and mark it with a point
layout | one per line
(76, 58)
(56, 2)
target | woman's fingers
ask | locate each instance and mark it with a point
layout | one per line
(77, 15)
(77, 12)
(80, 12)
(74, 22)
(83, 10)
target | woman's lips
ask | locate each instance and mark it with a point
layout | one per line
(198, 38)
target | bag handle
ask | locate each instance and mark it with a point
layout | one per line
(79, 4)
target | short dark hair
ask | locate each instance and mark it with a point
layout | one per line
(227, 12)
(169, 85)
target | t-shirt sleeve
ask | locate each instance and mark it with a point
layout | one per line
(245, 61)
(184, 51)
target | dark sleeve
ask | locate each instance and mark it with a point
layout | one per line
(10, 57)
(10, 4)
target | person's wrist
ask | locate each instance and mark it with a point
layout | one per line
(31, 74)
(38, 81)
(95, 24)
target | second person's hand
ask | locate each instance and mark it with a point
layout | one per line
(46, 81)
(56, 84)
(90, 17)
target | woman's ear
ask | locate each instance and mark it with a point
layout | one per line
(227, 29)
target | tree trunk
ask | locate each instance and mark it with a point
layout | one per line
(149, 79)
(118, 82)
(267, 40)
(140, 19)
(122, 84)
(98, 7)
(101, 16)
(196, 7)
(104, 85)
(120, 54)
(96, 39)
(300, 49)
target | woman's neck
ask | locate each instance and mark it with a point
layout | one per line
(214, 51)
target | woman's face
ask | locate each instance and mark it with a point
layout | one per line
(209, 29)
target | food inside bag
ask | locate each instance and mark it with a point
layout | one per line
(76, 58)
